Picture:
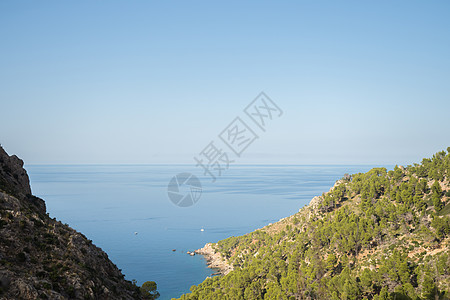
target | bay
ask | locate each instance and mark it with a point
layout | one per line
(126, 211)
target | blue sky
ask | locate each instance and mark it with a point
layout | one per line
(154, 82)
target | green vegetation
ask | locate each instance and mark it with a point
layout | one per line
(148, 290)
(378, 235)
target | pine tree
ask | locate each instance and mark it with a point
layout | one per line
(437, 195)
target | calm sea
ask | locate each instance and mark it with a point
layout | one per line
(126, 211)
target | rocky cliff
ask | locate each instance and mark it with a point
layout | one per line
(41, 258)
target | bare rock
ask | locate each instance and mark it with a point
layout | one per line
(214, 259)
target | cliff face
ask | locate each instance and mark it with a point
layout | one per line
(13, 178)
(42, 258)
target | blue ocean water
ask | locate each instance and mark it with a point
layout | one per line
(110, 203)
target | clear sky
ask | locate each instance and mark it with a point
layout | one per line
(359, 82)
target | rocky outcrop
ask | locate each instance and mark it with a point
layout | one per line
(13, 177)
(14, 182)
(315, 202)
(214, 259)
(42, 258)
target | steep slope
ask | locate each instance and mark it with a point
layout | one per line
(41, 258)
(378, 235)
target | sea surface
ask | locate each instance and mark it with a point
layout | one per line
(125, 210)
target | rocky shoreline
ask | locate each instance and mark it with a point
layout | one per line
(215, 260)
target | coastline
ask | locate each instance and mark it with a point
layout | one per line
(214, 260)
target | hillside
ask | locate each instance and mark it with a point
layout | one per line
(379, 235)
(41, 258)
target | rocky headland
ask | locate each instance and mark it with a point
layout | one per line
(214, 259)
(41, 258)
